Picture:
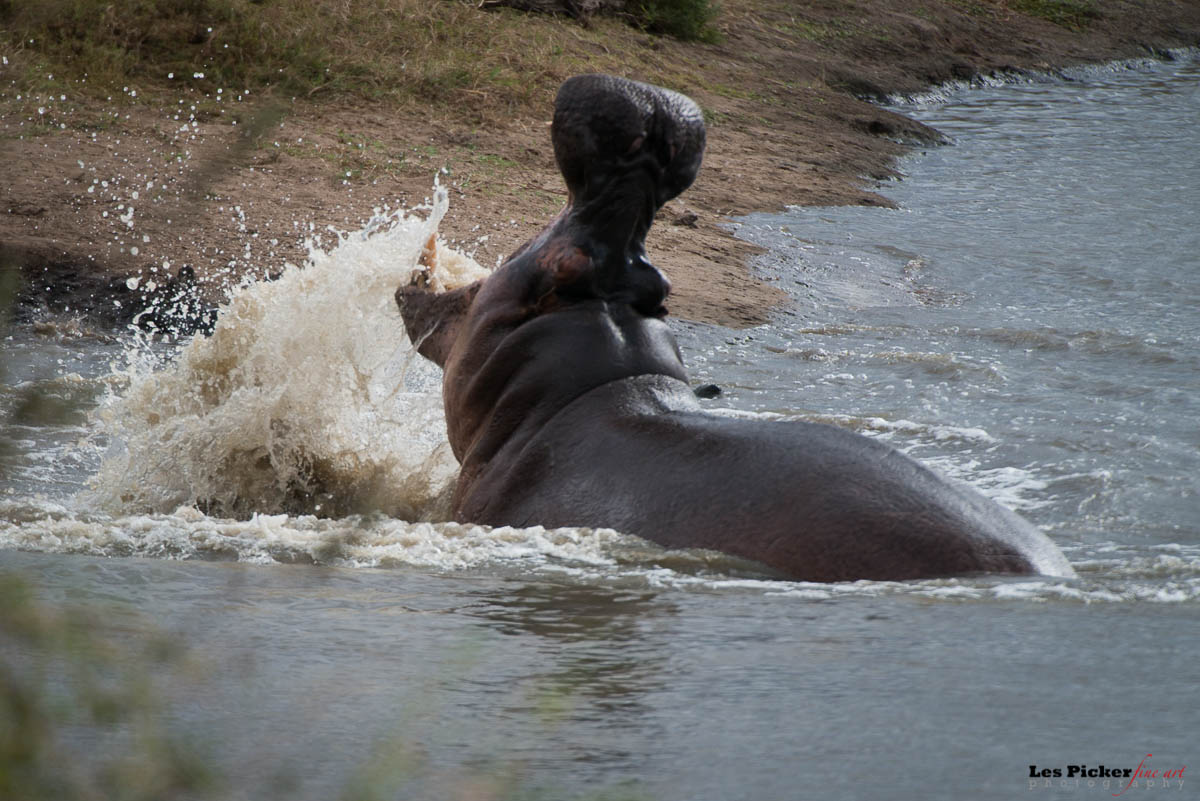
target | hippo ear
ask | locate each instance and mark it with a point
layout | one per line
(433, 319)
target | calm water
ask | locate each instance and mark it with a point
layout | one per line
(1026, 321)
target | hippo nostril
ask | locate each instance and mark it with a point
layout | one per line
(646, 288)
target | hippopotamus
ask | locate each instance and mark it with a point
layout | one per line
(567, 402)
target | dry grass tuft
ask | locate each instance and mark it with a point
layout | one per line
(439, 55)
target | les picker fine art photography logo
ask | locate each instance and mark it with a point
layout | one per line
(1118, 780)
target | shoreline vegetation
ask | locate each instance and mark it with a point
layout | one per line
(138, 138)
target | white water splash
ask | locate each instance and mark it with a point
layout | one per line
(351, 541)
(306, 398)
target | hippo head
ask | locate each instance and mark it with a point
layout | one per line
(579, 304)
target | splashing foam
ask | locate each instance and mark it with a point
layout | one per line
(307, 398)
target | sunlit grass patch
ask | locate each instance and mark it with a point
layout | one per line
(433, 54)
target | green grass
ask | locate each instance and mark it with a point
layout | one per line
(370, 48)
(974, 8)
(818, 31)
(1072, 14)
(433, 53)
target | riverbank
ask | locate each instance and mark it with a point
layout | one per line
(107, 182)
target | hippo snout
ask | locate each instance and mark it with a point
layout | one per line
(606, 129)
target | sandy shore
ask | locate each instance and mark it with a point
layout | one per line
(97, 191)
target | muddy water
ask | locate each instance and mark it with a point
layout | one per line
(1026, 321)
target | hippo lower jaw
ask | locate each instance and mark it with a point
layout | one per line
(431, 318)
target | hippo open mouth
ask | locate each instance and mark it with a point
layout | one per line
(567, 401)
(624, 149)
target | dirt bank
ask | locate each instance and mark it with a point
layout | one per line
(171, 172)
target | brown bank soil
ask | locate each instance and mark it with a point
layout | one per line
(161, 174)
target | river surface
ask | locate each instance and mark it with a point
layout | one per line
(1027, 320)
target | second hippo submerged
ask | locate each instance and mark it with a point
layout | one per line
(567, 402)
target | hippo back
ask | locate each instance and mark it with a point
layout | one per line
(810, 501)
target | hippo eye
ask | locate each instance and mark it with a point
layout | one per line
(637, 143)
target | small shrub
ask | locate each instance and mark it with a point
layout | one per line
(689, 20)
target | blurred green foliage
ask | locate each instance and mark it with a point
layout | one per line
(61, 669)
